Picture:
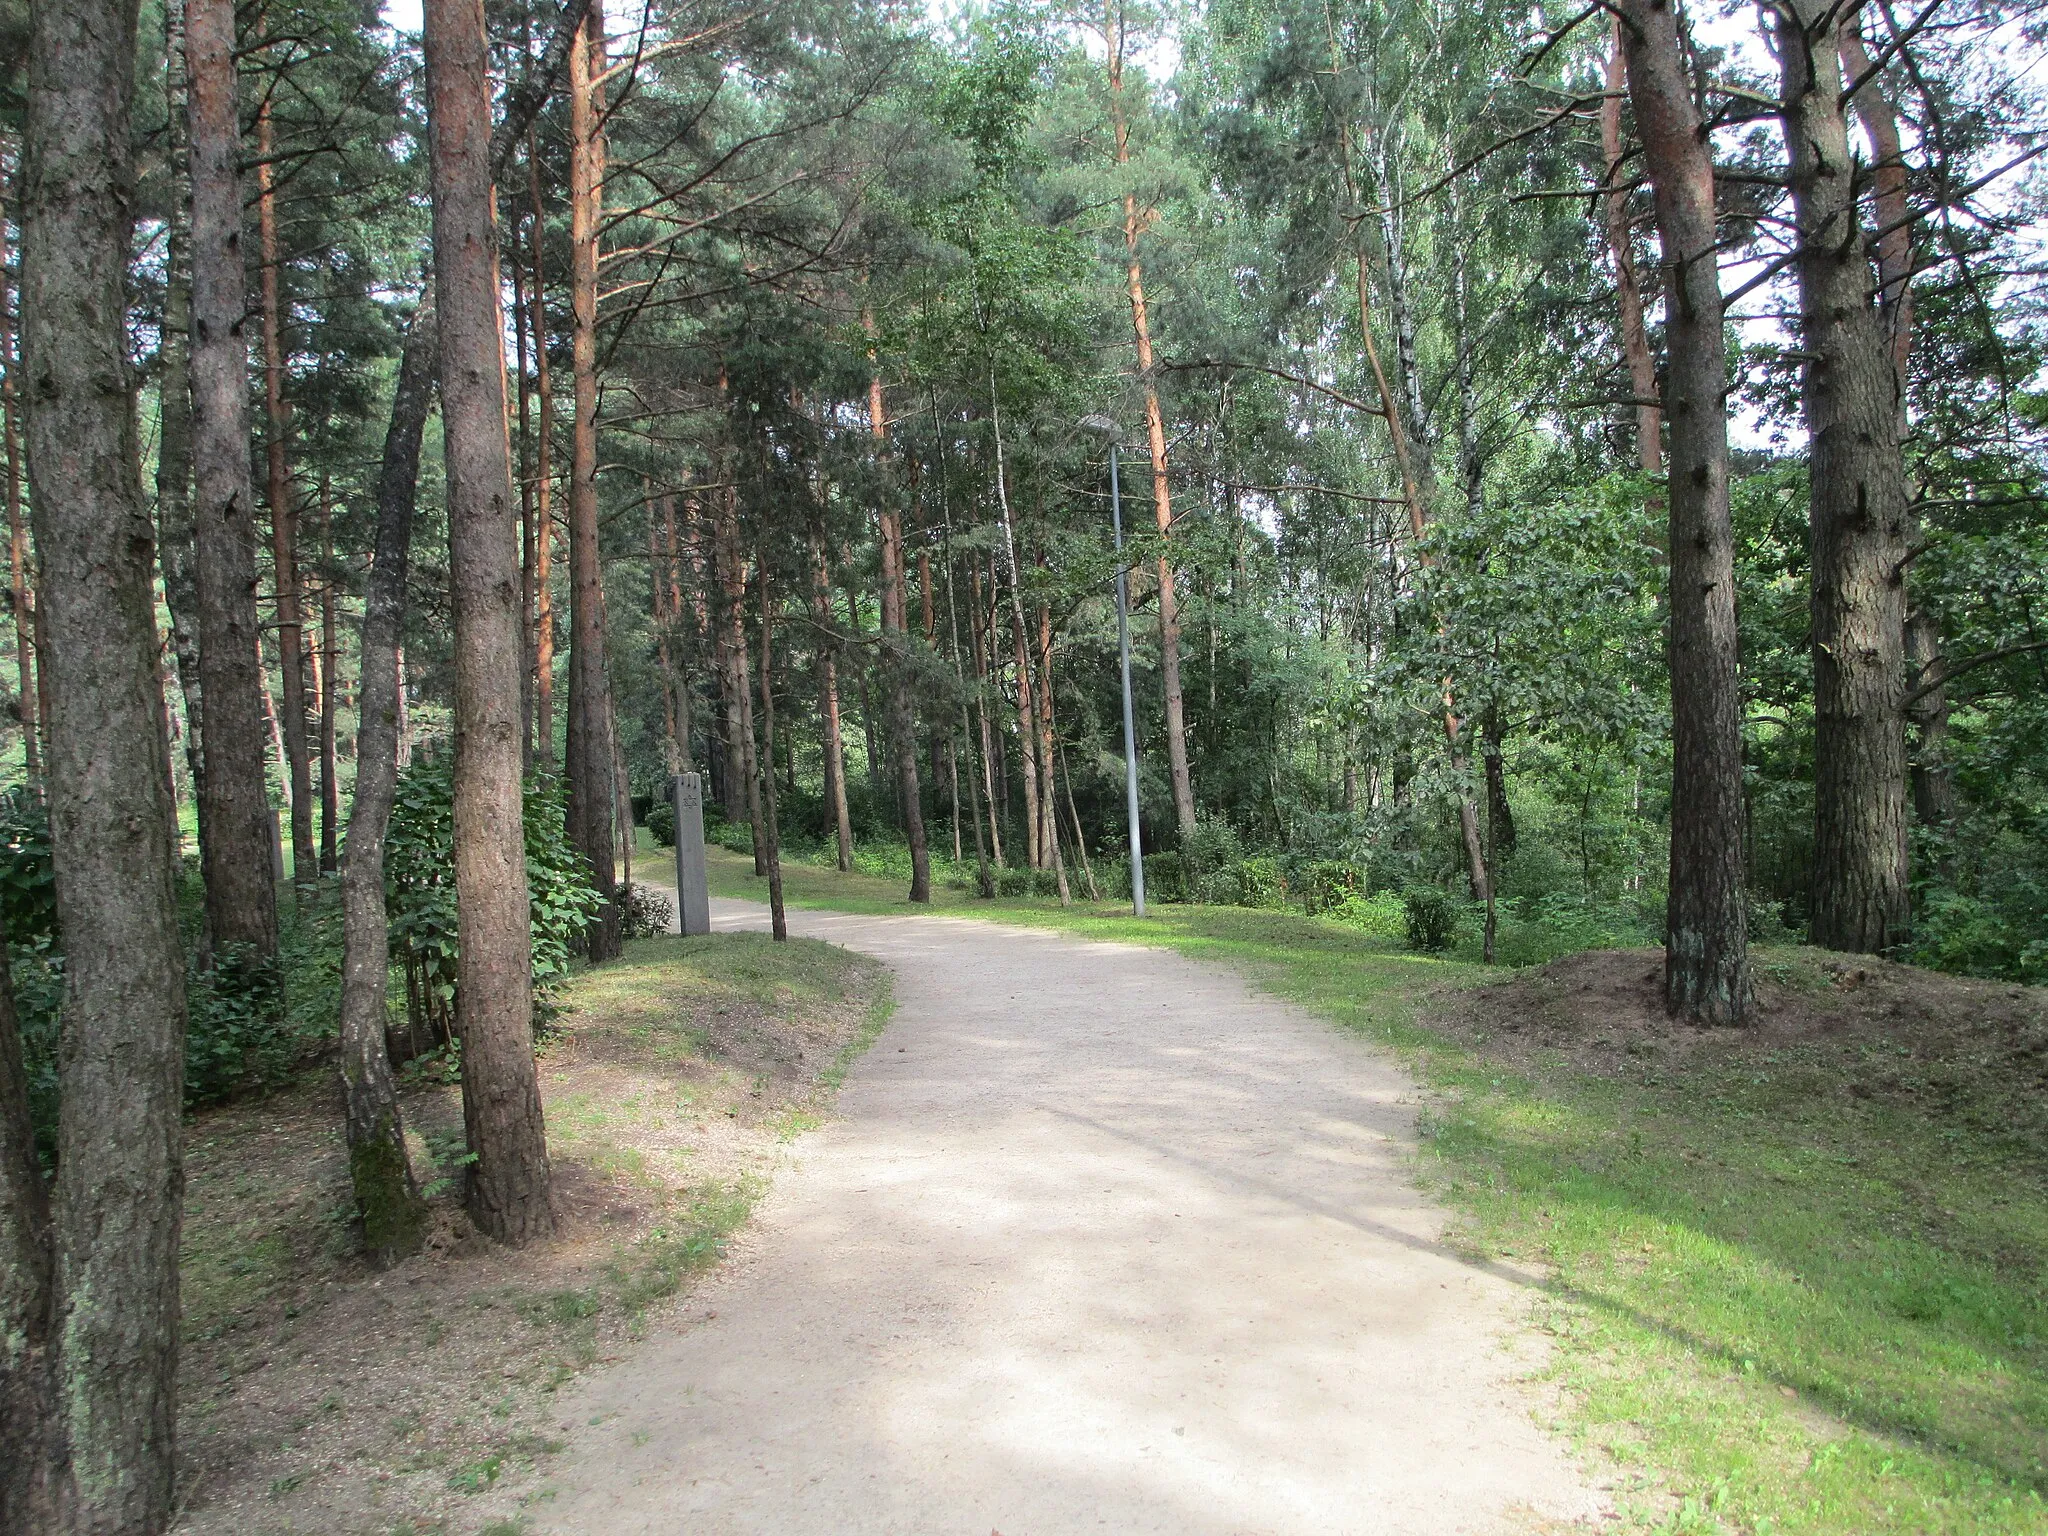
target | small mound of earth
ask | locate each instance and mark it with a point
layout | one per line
(1892, 1031)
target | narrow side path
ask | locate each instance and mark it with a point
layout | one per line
(1101, 1240)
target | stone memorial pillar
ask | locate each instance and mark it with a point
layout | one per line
(693, 890)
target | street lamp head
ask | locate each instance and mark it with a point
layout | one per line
(1099, 425)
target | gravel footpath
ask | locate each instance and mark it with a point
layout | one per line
(1100, 1240)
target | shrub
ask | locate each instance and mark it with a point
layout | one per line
(1326, 885)
(1026, 882)
(1431, 918)
(238, 1036)
(1166, 878)
(1382, 914)
(660, 822)
(648, 913)
(419, 885)
(1210, 849)
(1247, 883)
(28, 880)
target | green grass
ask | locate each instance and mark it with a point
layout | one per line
(1781, 1305)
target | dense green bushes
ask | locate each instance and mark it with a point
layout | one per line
(251, 1024)
(419, 888)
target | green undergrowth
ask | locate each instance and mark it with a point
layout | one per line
(1796, 1288)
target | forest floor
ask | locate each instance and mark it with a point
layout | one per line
(1796, 1273)
(319, 1396)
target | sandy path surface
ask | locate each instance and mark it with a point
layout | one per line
(1101, 1240)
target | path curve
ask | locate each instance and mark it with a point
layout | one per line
(1100, 1240)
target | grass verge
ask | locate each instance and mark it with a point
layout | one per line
(1797, 1280)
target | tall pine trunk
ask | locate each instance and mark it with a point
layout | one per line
(1706, 941)
(284, 517)
(896, 652)
(387, 1196)
(113, 1329)
(778, 919)
(21, 587)
(234, 811)
(743, 760)
(1628, 293)
(330, 666)
(828, 703)
(589, 756)
(543, 485)
(1026, 730)
(1857, 539)
(660, 586)
(1155, 438)
(1932, 773)
(509, 1182)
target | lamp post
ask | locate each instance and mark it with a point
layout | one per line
(1103, 426)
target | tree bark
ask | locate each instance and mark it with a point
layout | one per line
(387, 1195)
(1048, 766)
(984, 646)
(589, 757)
(509, 1183)
(896, 651)
(778, 920)
(1026, 732)
(1861, 901)
(522, 476)
(1155, 437)
(330, 784)
(543, 487)
(828, 703)
(680, 637)
(22, 588)
(877, 768)
(284, 518)
(739, 717)
(1628, 293)
(234, 813)
(1932, 773)
(114, 1329)
(660, 584)
(1706, 944)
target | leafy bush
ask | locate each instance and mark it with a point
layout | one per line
(238, 1036)
(1431, 918)
(660, 822)
(1026, 882)
(1383, 915)
(419, 883)
(1247, 883)
(1326, 885)
(1537, 930)
(1210, 849)
(1165, 878)
(1963, 932)
(28, 880)
(648, 913)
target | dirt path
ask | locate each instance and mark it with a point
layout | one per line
(1102, 1240)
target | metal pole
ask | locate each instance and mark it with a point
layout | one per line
(1123, 646)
